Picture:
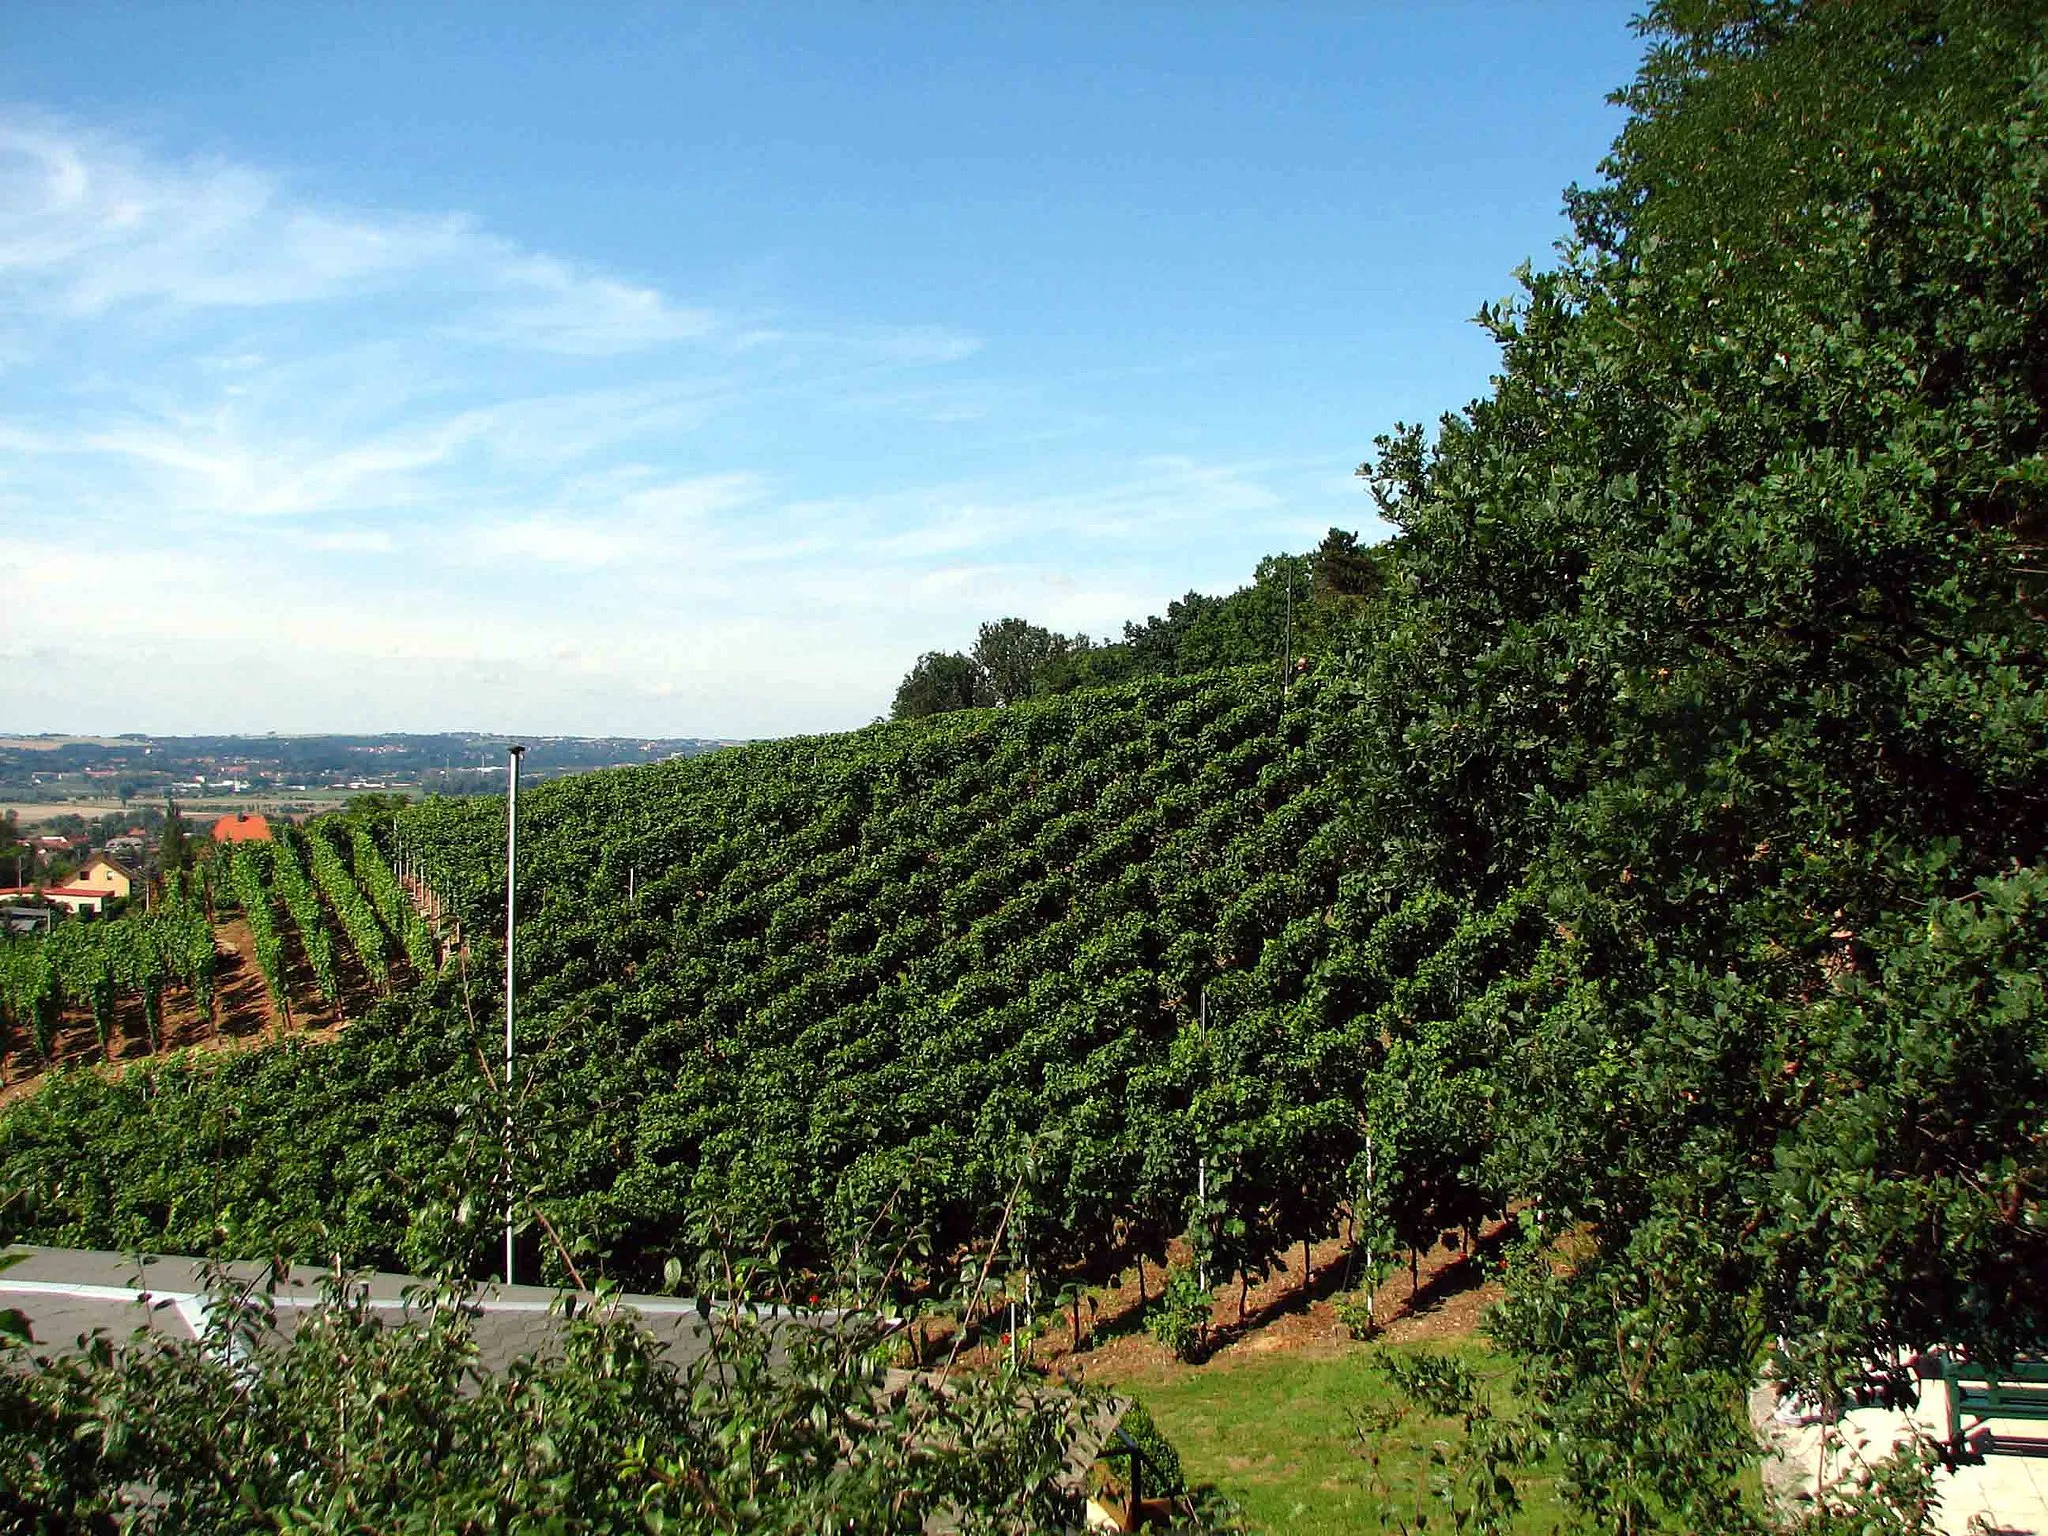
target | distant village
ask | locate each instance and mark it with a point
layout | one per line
(97, 872)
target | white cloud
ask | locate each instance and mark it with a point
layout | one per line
(554, 541)
(644, 525)
(352, 541)
(552, 307)
(92, 224)
(690, 500)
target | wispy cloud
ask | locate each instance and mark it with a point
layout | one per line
(89, 224)
(355, 541)
(551, 306)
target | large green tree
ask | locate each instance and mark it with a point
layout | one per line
(1719, 646)
(941, 681)
(1012, 653)
(175, 850)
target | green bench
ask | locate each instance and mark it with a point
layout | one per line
(2018, 1392)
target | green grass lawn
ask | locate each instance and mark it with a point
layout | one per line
(1276, 1433)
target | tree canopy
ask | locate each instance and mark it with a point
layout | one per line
(942, 681)
(1306, 604)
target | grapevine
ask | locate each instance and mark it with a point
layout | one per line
(345, 897)
(392, 904)
(246, 868)
(303, 903)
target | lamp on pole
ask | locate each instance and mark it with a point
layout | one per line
(513, 754)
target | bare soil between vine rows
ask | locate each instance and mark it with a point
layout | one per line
(244, 1015)
(1452, 1289)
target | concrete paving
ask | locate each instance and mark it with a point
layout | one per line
(2003, 1493)
(69, 1294)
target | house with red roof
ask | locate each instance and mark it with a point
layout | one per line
(242, 827)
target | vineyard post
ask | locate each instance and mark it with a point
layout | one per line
(1371, 1285)
(513, 754)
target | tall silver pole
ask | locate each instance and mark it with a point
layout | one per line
(1202, 1172)
(513, 754)
(1287, 644)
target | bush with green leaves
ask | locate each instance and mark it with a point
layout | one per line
(1179, 1316)
(362, 1422)
(1161, 1457)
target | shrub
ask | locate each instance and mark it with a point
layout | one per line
(1179, 1319)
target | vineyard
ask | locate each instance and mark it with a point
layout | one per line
(1066, 962)
(146, 961)
(1030, 980)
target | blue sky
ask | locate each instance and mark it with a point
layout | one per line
(688, 371)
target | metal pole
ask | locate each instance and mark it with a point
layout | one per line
(1287, 644)
(513, 755)
(1202, 1173)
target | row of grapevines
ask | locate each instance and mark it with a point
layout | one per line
(29, 991)
(303, 903)
(345, 897)
(393, 905)
(95, 963)
(248, 864)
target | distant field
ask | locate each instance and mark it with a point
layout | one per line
(52, 743)
(32, 812)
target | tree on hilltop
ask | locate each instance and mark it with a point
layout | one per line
(941, 681)
(1012, 653)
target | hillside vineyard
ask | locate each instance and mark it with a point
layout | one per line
(933, 969)
(922, 968)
